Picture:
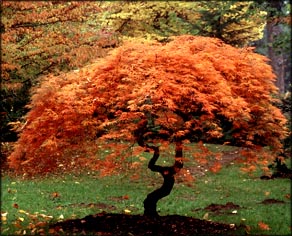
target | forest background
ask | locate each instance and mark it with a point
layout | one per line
(41, 38)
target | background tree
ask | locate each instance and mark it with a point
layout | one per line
(40, 38)
(276, 41)
(237, 23)
(276, 45)
(192, 89)
(149, 20)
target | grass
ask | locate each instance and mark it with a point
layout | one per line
(29, 205)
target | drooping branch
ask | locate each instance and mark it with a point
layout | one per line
(168, 173)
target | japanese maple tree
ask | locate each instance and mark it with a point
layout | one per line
(192, 89)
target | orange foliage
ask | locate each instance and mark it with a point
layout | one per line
(216, 167)
(42, 37)
(192, 88)
(206, 157)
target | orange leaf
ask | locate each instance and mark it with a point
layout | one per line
(263, 226)
(125, 197)
(216, 167)
(55, 195)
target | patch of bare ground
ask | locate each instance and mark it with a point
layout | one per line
(272, 201)
(138, 225)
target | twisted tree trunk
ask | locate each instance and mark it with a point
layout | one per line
(150, 203)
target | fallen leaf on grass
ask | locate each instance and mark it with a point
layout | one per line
(206, 216)
(33, 217)
(216, 167)
(232, 226)
(55, 195)
(247, 229)
(46, 217)
(127, 211)
(31, 226)
(21, 232)
(126, 197)
(41, 224)
(4, 216)
(17, 224)
(135, 176)
(263, 226)
(9, 190)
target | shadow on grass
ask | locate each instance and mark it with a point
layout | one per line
(138, 225)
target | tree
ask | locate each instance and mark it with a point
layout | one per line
(192, 89)
(237, 23)
(149, 20)
(44, 37)
(276, 43)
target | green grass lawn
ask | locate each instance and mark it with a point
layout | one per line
(27, 206)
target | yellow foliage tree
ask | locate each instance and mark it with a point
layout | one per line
(236, 23)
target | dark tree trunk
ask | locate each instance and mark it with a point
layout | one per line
(150, 203)
(277, 58)
(274, 29)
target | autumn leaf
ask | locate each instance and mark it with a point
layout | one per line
(206, 216)
(247, 229)
(135, 176)
(4, 216)
(127, 211)
(215, 167)
(126, 197)
(41, 224)
(263, 226)
(55, 195)
(46, 216)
